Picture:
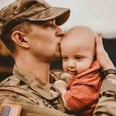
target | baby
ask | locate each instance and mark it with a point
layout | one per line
(79, 61)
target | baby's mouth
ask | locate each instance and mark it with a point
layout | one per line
(72, 72)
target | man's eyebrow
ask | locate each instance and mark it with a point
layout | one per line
(40, 22)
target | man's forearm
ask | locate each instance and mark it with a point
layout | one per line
(107, 102)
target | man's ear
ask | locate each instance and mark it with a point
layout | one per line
(20, 39)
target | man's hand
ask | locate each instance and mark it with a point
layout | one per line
(102, 55)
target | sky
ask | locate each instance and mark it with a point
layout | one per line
(97, 14)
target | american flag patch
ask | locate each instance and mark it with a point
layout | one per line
(10, 110)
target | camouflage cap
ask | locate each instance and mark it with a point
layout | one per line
(30, 10)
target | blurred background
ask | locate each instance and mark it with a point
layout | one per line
(97, 14)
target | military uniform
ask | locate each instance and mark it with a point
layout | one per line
(36, 97)
(107, 102)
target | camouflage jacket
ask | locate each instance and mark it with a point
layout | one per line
(36, 97)
(106, 105)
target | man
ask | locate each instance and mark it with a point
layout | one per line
(29, 29)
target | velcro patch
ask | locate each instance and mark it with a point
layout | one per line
(10, 110)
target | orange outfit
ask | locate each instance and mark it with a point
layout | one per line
(83, 91)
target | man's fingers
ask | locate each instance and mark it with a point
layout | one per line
(99, 42)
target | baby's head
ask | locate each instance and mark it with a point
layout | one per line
(78, 49)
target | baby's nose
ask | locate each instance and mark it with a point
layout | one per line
(71, 64)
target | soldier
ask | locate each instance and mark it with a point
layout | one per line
(30, 30)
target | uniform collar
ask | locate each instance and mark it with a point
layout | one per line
(40, 87)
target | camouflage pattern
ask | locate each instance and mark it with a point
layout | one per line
(36, 97)
(30, 10)
(107, 102)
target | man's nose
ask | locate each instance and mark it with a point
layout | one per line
(59, 32)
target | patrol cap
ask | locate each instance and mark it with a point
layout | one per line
(30, 10)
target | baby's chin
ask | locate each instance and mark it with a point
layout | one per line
(73, 75)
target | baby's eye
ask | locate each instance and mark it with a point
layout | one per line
(78, 57)
(64, 58)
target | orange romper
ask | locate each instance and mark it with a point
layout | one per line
(83, 91)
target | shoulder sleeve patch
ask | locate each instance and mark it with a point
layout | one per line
(10, 110)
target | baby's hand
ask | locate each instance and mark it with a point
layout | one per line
(65, 77)
(60, 86)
